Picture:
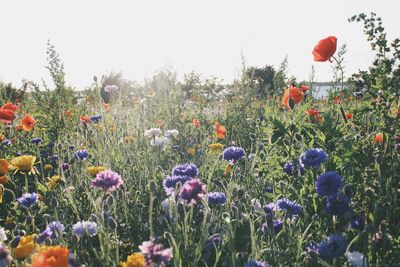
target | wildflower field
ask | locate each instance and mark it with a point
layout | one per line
(195, 173)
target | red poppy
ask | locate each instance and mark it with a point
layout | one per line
(379, 138)
(220, 130)
(28, 122)
(293, 92)
(349, 116)
(304, 88)
(6, 115)
(314, 113)
(84, 119)
(196, 123)
(10, 106)
(325, 49)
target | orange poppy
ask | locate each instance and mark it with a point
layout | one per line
(69, 113)
(84, 119)
(220, 130)
(6, 115)
(54, 256)
(18, 127)
(10, 106)
(28, 122)
(293, 92)
(325, 49)
(196, 123)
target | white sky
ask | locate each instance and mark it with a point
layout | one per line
(141, 37)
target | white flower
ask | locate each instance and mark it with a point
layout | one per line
(173, 132)
(152, 132)
(159, 141)
(356, 259)
(251, 157)
(111, 88)
(3, 236)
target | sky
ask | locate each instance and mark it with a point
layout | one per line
(141, 37)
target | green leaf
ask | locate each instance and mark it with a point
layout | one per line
(291, 103)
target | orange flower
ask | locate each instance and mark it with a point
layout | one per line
(349, 116)
(6, 115)
(293, 92)
(54, 256)
(18, 127)
(337, 100)
(4, 167)
(196, 123)
(69, 113)
(379, 138)
(314, 113)
(325, 49)
(220, 130)
(10, 106)
(106, 106)
(84, 118)
(28, 122)
(2, 137)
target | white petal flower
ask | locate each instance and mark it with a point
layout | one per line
(3, 236)
(159, 141)
(173, 132)
(152, 132)
(356, 259)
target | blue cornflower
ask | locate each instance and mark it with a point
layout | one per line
(84, 228)
(28, 199)
(81, 154)
(188, 169)
(54, 158)
(313, 158)
(254, 263)
(43, 236)
(233, 153)
(328, 184)
(292, 208)
(214, 242)
(36, 141)
(95, 118)
(215, 198)
(55, 228)
(288, 168)
(6, 142)
(269, 210)
(269, 189)
(170, 182)
(65, 166)
(338, 204)
(277, 225)
(331, 247)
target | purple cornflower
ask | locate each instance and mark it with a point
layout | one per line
(95, 118)
(54, 158)
(170, 183)
(107, 180)
(328, 184)
(338, 204)
(111, 88)
(65, 166)
(155, 254)
(288, 168)
(193, 191)
(313, 158)
(331, 247)
(28, 200)
(5, 257)
(276, 226)
(269, 210)
(292, 208)
(84, 228)
(188, 169)
(215, 198)
(81, 154)
(6, 142)
(43, 236)
(254, 263)
(36, 141)
(233, 153)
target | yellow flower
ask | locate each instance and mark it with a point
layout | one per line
(216, 148)
(48, 167)
(2, 137)
(24, 164)
(94, 170)
(53, 182)
(134, 260)
(25, 247)
(193, 149)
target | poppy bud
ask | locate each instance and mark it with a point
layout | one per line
(152, 185)
(53, 203)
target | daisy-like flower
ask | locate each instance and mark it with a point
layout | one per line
(233, 154)
(24, 164)
(107, 180)
(356, 259)
(159, 141)
(215, 148)
(313, 158)
(94, 170)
